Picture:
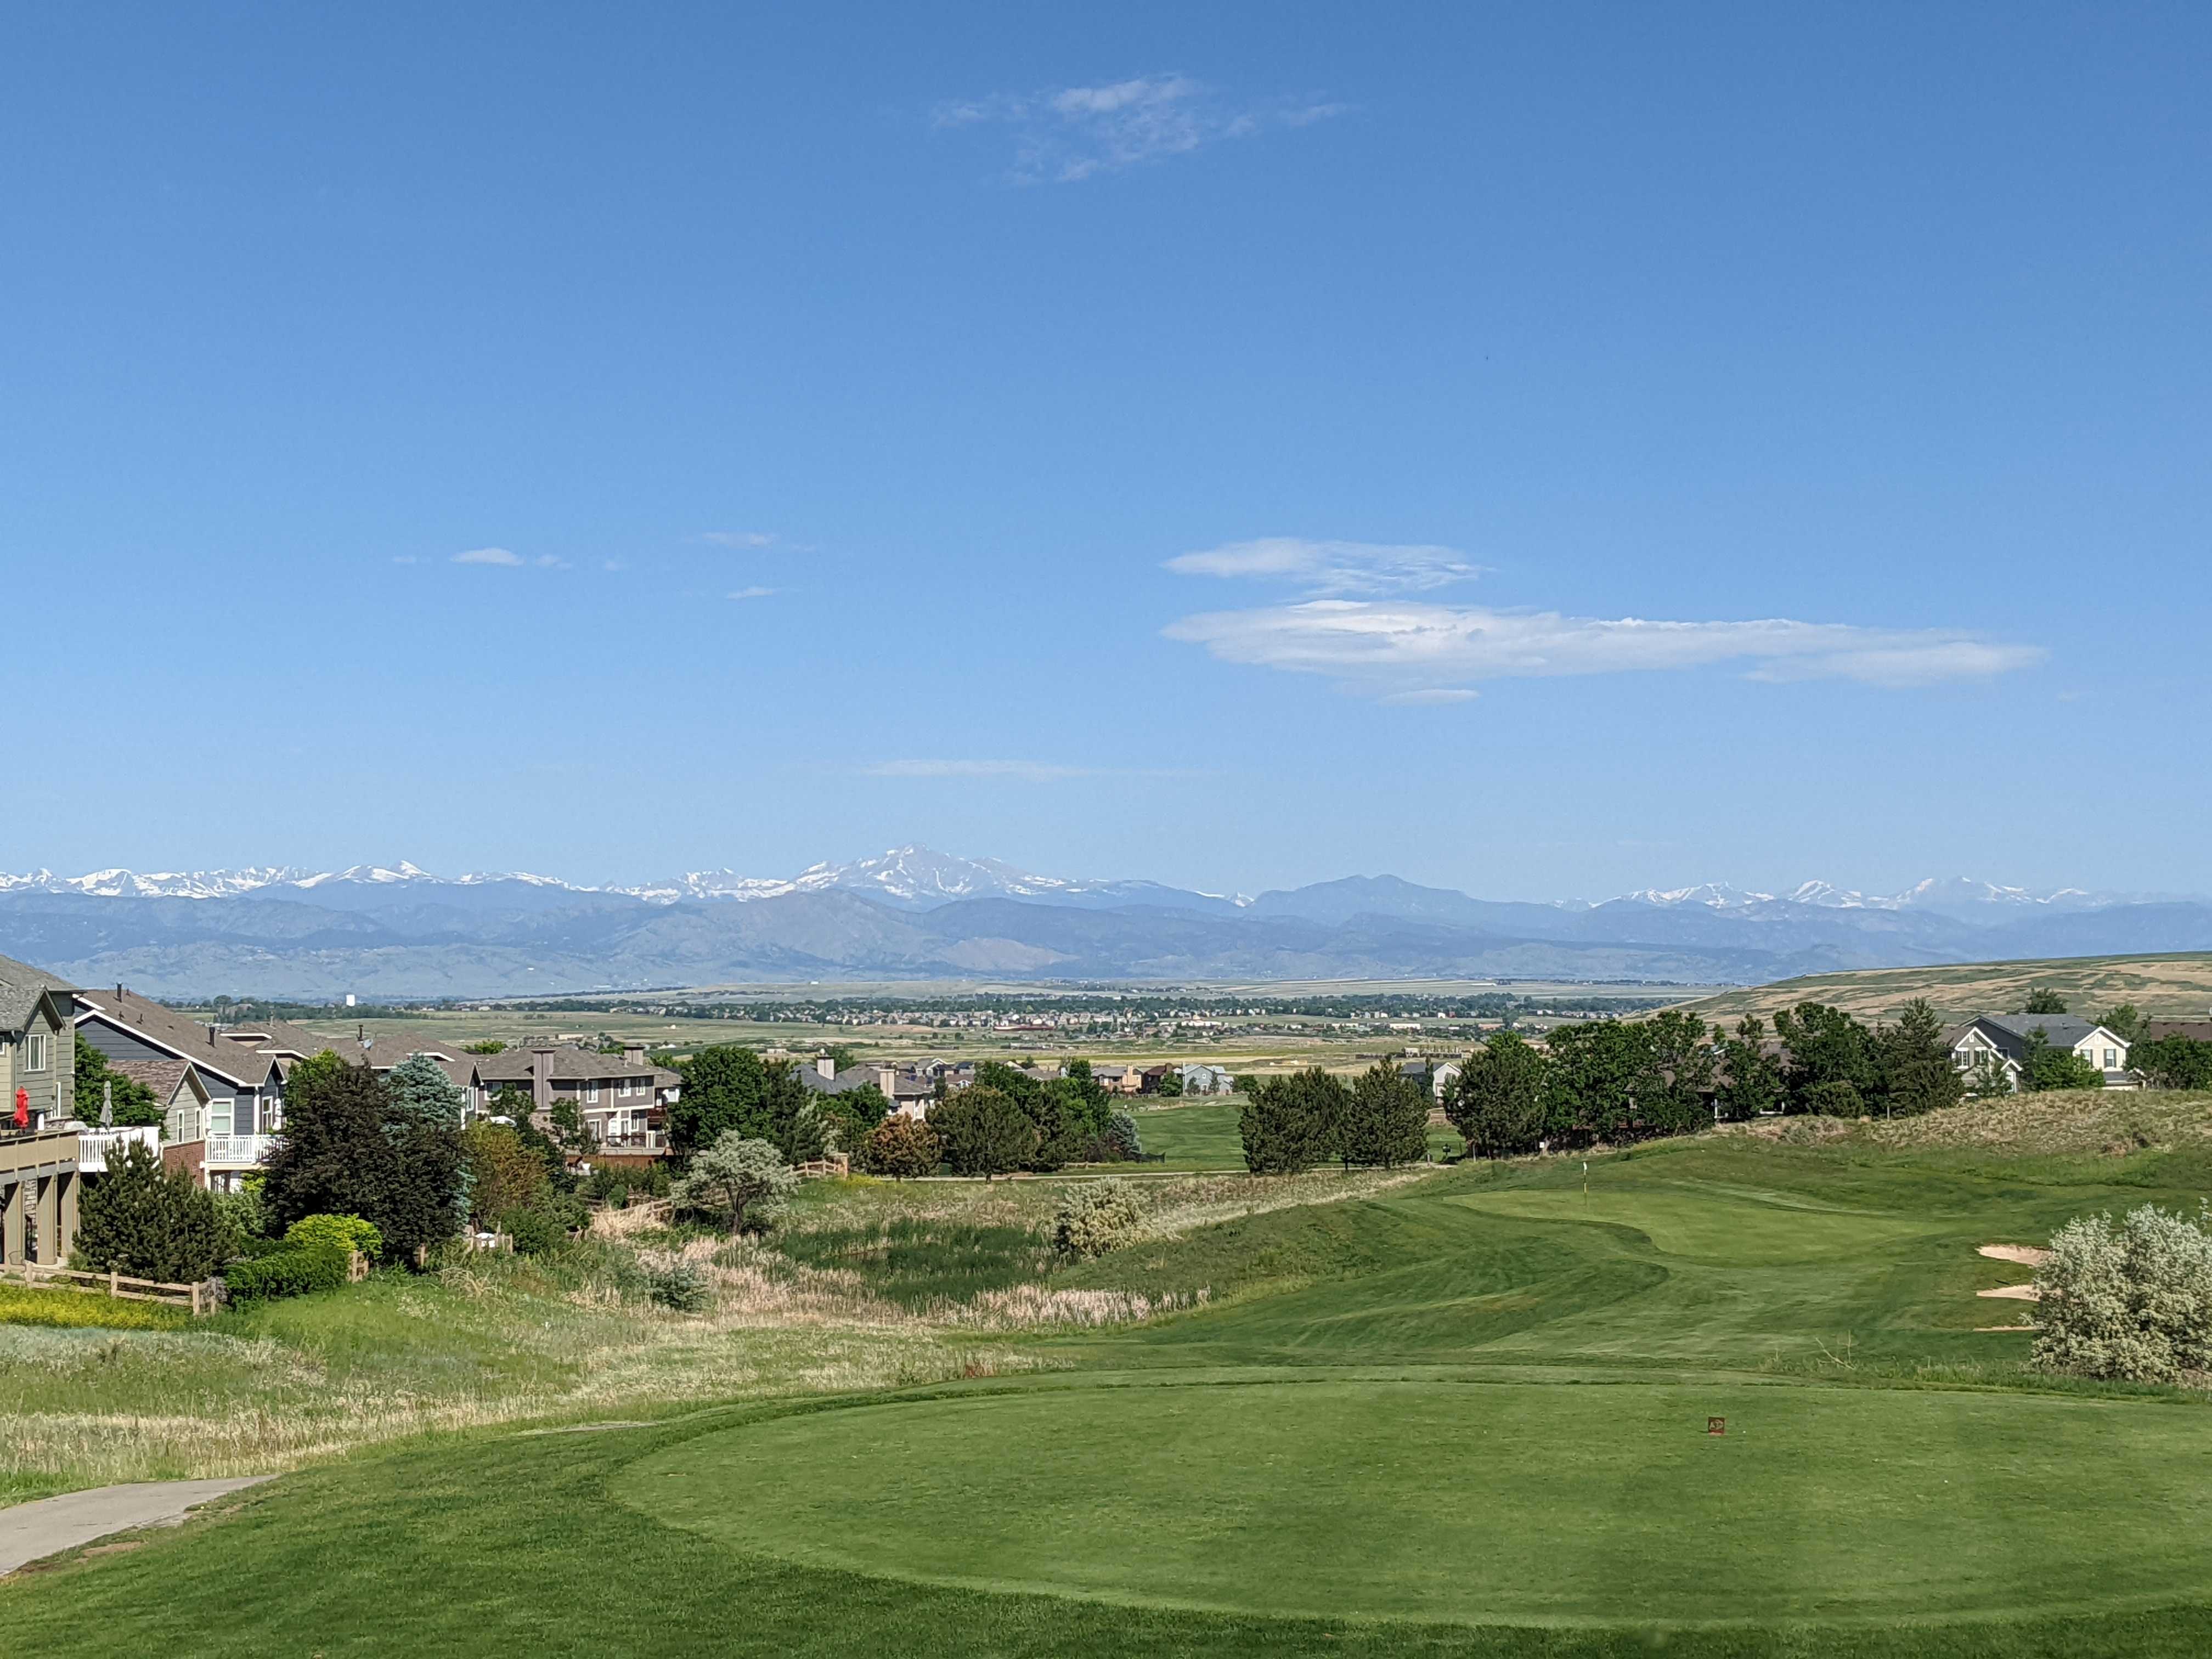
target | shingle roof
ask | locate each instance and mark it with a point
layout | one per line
(21, 987)
(2060, 1030)
(162, 1076)
(568, 1064)
(187, 1039)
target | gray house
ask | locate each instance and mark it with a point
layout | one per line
(39, 1160)
(2003, 1040)
(222, 1108)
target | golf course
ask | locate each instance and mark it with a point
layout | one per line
(1726, 1395)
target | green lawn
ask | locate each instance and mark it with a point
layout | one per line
(1203, 1135)
(1464, 1415)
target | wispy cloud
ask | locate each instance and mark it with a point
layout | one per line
(1021, 770)
(549, 562)
(751, 593)
(1323, 569)
(406, 558)
(499, 555)
(1067, 134)
(1413, 652)
(750, 538)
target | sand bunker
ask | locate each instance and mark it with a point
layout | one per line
(2025, 1255)
(2013, 1293)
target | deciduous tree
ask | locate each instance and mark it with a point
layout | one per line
(745, 1179)
(904, 1148)
(985, 1133)
(1500, 1101)
(97, 1083)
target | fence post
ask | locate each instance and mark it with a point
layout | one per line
(113, 1279)
(196, 1299)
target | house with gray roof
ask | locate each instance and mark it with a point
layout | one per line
(220, 1122)
(2003, 1041)
(622, 1100)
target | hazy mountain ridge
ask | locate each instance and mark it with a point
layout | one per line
(396, 931)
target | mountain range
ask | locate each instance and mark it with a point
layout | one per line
(398, 931)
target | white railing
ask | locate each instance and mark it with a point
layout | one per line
(238, 1150)
(94, 1145)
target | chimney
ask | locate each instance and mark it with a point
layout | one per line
(541, 1078)
(632, 1053)
(826, 1068)
(887, 1080)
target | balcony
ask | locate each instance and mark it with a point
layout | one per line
(632, 1140)
(94, 1145)
(238, 1151)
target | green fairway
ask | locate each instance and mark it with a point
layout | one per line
(1464, 1413)
(1200, 1137)
(1477, 1501)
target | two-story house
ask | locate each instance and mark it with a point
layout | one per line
(622, 1100)
(2003, 1040)
(38, 1173)
(222, 1106)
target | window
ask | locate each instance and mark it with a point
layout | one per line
(34, 1051)
(2112, 1059)
(219, 1117)
(591, 1092)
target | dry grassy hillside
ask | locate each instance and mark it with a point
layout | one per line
(2179, 984)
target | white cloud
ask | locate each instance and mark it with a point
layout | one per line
(488, 556)
(1068, 134)
(751, 593)
(547, 561)
(1433, 694)
(406, 558)
(1407, 650)
(1323, 569)
(737, 537)
(1023, 771)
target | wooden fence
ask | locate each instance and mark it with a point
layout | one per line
(201, 1298)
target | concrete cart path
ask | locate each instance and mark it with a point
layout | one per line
(29, 1532)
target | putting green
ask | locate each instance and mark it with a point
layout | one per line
(1479, 1502)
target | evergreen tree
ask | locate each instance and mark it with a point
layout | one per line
(1500, 1101)
(985, 1133)
(2045, 1002)
(1914, 1064)
(2046, 1065)
(1289, 1124)
(145, 1222)
(1386, 1120)
(420, 1090)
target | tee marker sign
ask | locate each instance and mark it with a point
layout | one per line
(1717, 1426)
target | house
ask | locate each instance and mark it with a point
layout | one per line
(2196, 1031)
(38, 1056)
(1152, 1077)
(1118, 1079)
(1441, 1079)
(2003, 1040)
(622, 1100)
(1207, 1080)
(911, 1091)
(223, 1104)
(39, 1172)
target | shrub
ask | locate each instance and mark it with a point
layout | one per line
(1834, 1099)
(20, 1305)
(286, 1272)
(683, 1285)
(344, 1234)
(534, 1232)
(2131, 1301)
(1096, 1217)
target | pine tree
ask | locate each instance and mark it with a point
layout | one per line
(1914, 1064)
(420, 1090)
(985, 1133)
(1387, 1119)
(1290, 1124)
(345, 1151)
(146, 1222)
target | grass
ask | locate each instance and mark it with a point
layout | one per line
(1435, 1411)
(2176, 985)
(21, 1305)
(1204, 1135)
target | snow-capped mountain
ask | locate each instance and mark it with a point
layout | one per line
(167, 883)
(1956, 895)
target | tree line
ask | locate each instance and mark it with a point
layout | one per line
(1291, 1124)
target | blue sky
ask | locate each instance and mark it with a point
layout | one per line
(1238, 446)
